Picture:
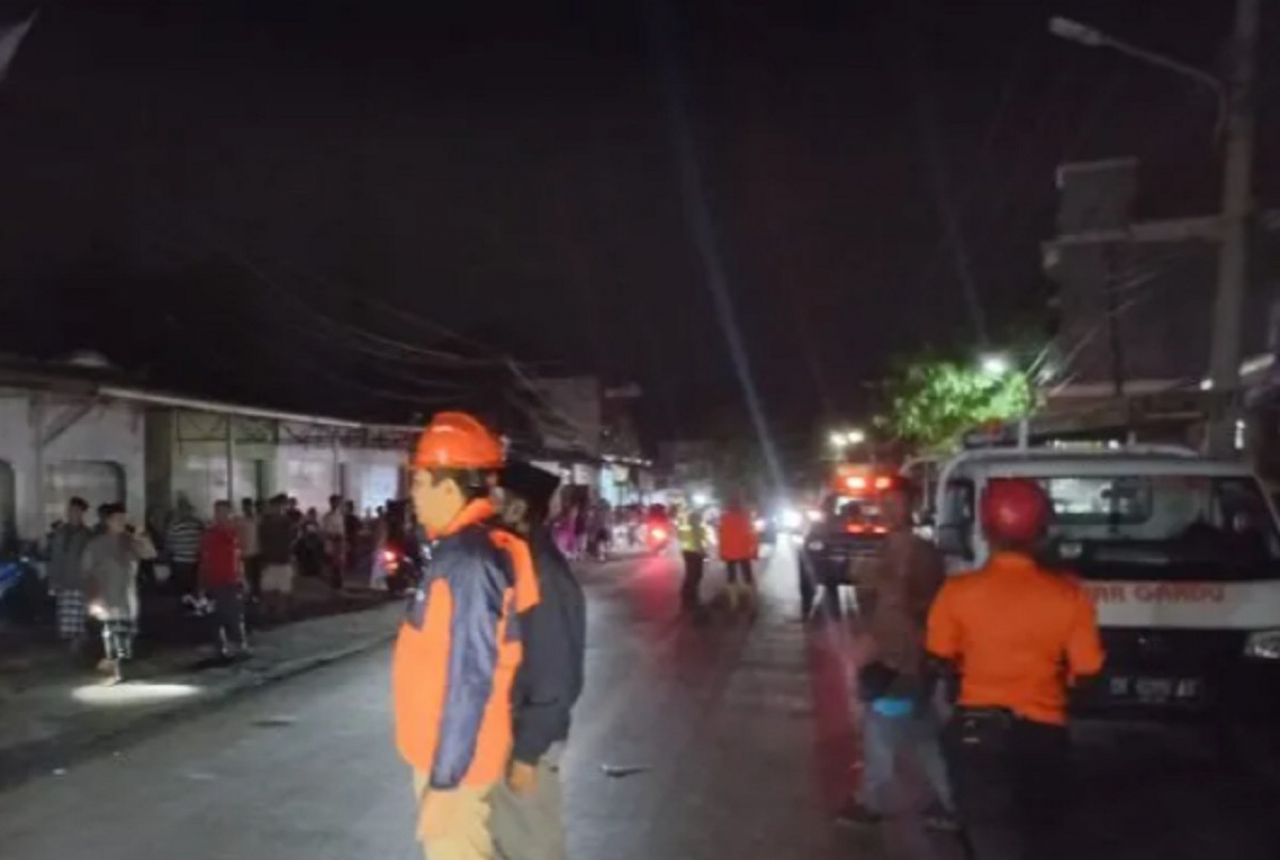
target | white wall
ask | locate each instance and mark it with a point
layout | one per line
(111, 433)
(313, 473)
(370, 480)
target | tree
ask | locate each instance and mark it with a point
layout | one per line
(932, 402)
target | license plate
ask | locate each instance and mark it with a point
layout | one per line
(1156, 691)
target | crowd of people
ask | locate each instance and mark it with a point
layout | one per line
(216, 568)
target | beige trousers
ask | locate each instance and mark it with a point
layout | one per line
(532, 827)
(465, 835)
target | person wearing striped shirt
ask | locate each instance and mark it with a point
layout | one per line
(182, 548)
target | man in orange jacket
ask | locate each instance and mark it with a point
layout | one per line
(738, 549)
(1019, 636)
(458, 650)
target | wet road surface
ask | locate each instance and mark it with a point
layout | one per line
(740, 736)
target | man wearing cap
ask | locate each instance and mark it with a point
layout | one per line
(527, 822)
(458, 650)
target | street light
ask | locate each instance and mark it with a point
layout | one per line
(1074, 31)
(1090, 37)
(847, 438)
(1236, 119)
(994, 364)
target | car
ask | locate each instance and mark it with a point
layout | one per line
(846, 530)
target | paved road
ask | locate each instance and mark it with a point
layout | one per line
(743, 732)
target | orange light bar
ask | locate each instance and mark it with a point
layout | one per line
(883, 483)
(863, 529)
(856, 482)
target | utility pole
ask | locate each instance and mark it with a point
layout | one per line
(1237, 203)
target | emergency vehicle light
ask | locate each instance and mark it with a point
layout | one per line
(856, 482)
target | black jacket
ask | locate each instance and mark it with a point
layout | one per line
(550, 677)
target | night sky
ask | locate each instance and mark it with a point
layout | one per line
(270, 200)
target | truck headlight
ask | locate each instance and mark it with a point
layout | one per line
(814, 546)
(1263, 645)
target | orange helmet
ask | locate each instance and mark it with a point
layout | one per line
(1014, 510)
(456, 440)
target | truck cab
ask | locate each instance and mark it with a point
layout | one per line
(848, 527)
(1180, 554)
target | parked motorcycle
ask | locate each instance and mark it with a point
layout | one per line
(657, 537)
(402, 565)
(24, 595)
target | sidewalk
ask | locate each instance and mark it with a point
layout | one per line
(50, 718)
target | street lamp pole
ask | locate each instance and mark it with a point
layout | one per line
(1236, 109)
(1225, 349)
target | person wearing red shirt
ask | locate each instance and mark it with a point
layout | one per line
(221, 576)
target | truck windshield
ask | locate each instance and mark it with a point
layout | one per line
(1181, 527)
(844, 510)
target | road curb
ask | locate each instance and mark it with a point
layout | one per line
(24, 763)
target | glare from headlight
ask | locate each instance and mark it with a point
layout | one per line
(814, 515)
(760, 524)
(791, 519)
(1263, 645)
(814, 546)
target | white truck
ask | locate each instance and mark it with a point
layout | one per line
(1181, 555)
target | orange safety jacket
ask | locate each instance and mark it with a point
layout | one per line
(737, 536)
(458, 650)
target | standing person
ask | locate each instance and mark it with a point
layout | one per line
(738, 549)
(692, 533)
(182, 546)
(581, 525)
(222, 579)
(66, 578)
(1018, 635)
(528, 809)
(110, 565)
(104, 511)
(333, 527)
(353, 529)
(900, 722)
(275, 547)
(247, 532)
(378, 563)
(458, 650)
(563, 529)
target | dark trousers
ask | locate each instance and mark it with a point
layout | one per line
(228, 616)
(253, 575)
(1010, 786)
(740, 567)
(183, 577)
(689, 589)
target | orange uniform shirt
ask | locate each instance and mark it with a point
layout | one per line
(1018, 634)
(737, 536)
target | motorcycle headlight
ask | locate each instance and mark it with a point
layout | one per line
(814, 546)
(1263, 645)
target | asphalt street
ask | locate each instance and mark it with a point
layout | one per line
(734, 740)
